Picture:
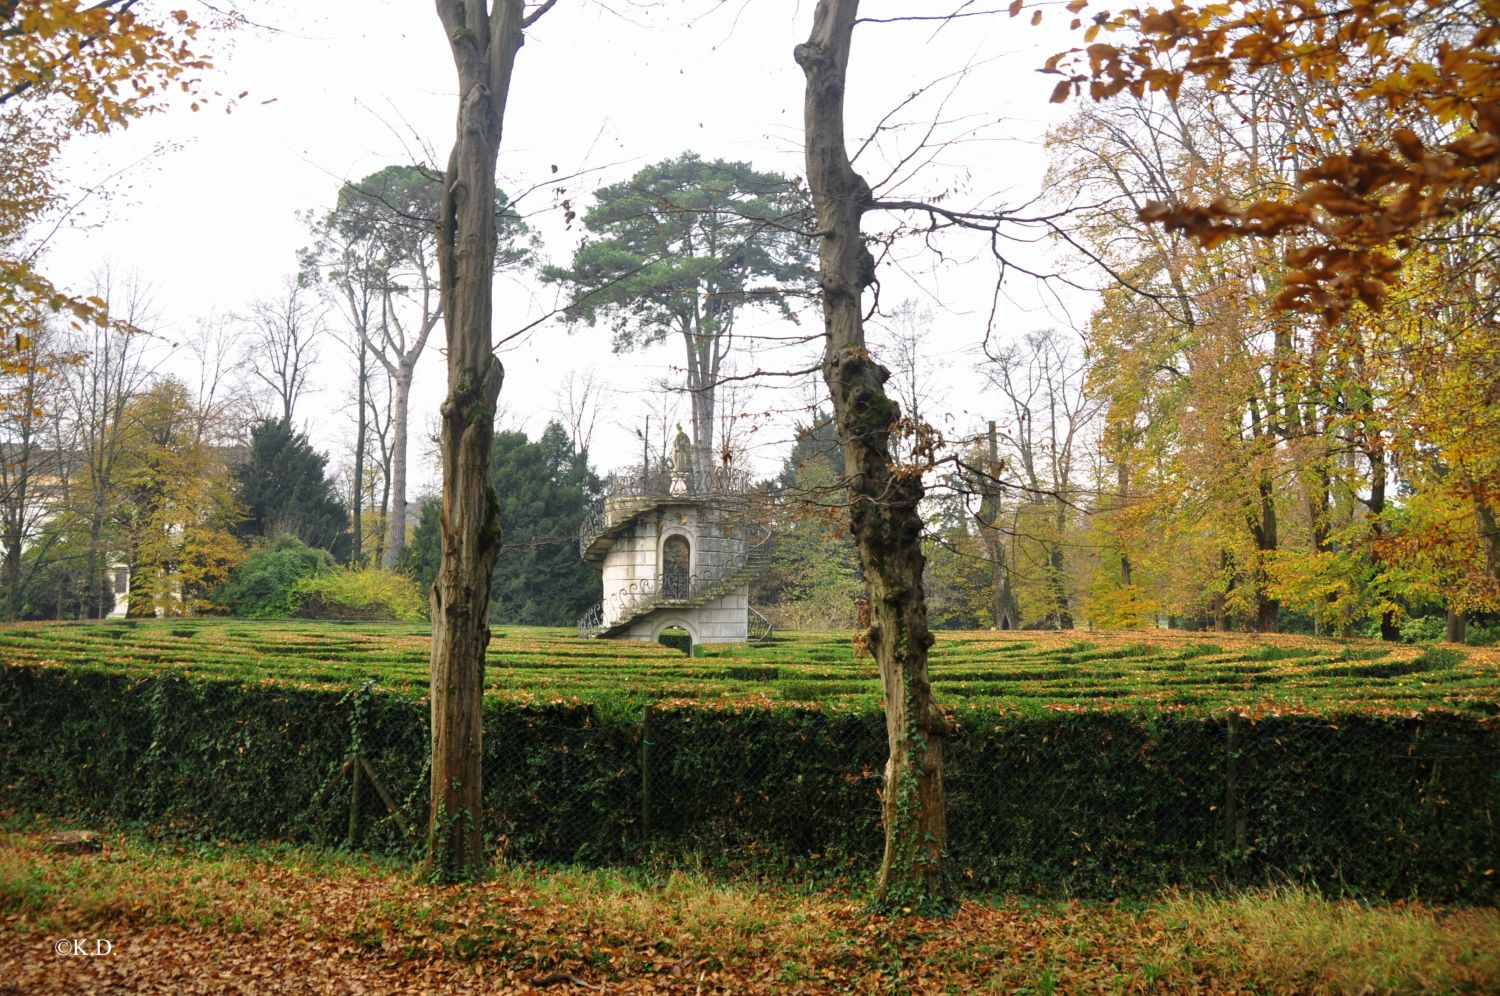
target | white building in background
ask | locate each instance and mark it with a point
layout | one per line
(119, 580)
(673, 552)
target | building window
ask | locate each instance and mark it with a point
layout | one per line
(122, 580)
(675, 556)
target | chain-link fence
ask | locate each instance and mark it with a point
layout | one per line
(1101, 803)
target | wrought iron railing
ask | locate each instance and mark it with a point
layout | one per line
(657, 483)
(759, 627)
(591, 623)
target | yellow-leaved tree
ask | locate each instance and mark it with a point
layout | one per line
(70, 67)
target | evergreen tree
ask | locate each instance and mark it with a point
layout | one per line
(815, 580)
(545, 489)
(286, 491)
(679, 250)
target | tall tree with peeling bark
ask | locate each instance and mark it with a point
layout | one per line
(485, 38)
(382, 236)
(883, 495)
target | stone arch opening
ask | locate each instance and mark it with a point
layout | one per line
(676, 632)
(677, 638)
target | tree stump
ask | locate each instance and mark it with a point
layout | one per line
(73, 842)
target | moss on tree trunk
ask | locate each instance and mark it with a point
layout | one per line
(884, 497)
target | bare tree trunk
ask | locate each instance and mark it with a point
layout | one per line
(1003, 612)
(703, 374)
(1489, 534)
(396, 523)
(357, 499)
(1457, 625)
(17, 461)
(883, 498)
(1122, 485)
(484, 43)
(1057, 571)
(10, 576)
(1390, 629)
(703, 434)
(1264, 529)
(1221, 607)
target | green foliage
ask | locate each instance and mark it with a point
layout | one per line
(1439, 659)
(176, 495)
(681, 245)
(1482, 635)
(544, 489)
(1022, 674)
(422, 557)
(814, 581)
(386, 222)
(285, 490)
(359, 593)
(51, 581)
(1423, 629)
(817, 452)
(265, 586)
(958, 580)
(677, 641)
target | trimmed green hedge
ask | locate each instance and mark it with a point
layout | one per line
(1073, 802)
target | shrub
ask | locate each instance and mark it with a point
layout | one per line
(1423, 629)
(360, 593)
(1480, 635)
(264, 587)
(677, 641)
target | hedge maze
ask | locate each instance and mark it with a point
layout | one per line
(1095, 764)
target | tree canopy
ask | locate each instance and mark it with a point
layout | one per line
(679, 249)
(378, 251)
(1426, 150)
(69, 67)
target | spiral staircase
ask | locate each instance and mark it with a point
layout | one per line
(628, 499)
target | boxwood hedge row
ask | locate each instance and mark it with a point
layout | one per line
(1089, 803)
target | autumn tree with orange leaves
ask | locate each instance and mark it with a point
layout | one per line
(1360, 149)
(1432, 156)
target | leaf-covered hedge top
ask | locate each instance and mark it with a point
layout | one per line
(973, 672)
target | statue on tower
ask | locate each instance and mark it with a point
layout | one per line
(682, 462)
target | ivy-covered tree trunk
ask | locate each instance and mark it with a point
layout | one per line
(883, 497)
(484, 42)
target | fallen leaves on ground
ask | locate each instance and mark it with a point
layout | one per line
(234, 920)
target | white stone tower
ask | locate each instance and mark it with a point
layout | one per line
(675, 552)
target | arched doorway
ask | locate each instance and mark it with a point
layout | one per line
(676, 556)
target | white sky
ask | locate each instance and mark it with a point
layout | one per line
(342, 88)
